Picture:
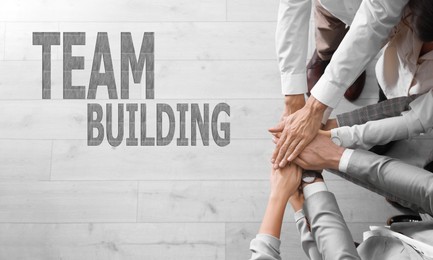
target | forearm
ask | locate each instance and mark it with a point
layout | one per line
(368, 31)
(328, 227)
(291, 38)
(406, 182)
(372, 133)
(418, 119)
(273, 219)
(307, 241)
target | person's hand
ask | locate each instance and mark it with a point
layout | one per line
(298, 130)
(320, 154)
(293, 103)
(285, 182)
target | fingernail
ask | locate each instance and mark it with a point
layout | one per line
(275, 166)
(272, 160)
(281, 164)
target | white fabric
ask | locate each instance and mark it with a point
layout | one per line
(400, 70)
(344, 160)
(313, 188)
(368, 32)
(418, 120)
(291, 41)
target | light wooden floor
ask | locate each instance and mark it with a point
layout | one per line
(61, 199)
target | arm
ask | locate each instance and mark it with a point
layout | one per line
(371, 26)
(328, 227)
(418, 120)
(284, 183)
(369, 30)
(291, 37)
(409, 184)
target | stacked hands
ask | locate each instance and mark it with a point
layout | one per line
(300, 144)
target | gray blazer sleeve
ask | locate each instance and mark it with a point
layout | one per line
(406, 182)
(307, 241)
(328, 227)
(265, 247)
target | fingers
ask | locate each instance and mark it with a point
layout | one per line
(299, 148)
(278, 128)
(277, 148)
(279, 162)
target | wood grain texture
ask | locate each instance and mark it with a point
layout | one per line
(239, 236)
(2, 40)
(114, 11)
(241, 79)
(25, 160)
(218, 201)
(59, 202)
(253, 10)
(173, 40)
(113, 241)
(241, 160)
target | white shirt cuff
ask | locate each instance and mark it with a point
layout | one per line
(293, 84)
(327, 93)
(344, 161)
(313, 188)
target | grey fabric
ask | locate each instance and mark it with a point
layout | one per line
(328, 227)
(388, 108)
(405, 182)
(308, 243)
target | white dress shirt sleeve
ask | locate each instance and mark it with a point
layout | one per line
(291, 44)
(344, 160)
(367, 34)
(418, 120)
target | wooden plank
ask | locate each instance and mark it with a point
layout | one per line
(67, 119)
(240, 160)
(43, 119)
(181, 241)
(253, 10)
(173, 40)
(59, 202)
(173, 80)
(242, 201)
(2, 40)
(146, 10)
(239, 236)
(19, 40)
(25, 160)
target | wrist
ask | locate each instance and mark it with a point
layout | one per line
(315, 105)
(294, 102)
(335, 157)
(279, 200)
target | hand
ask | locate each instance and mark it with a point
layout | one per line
(320, 154)
(285, 182)
(298, 130)
(292, 103)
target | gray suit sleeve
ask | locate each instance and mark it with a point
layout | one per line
(307, 241)
(328, 227)
(265, 247)
(406, 182)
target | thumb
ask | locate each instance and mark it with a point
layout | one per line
(278, 128)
